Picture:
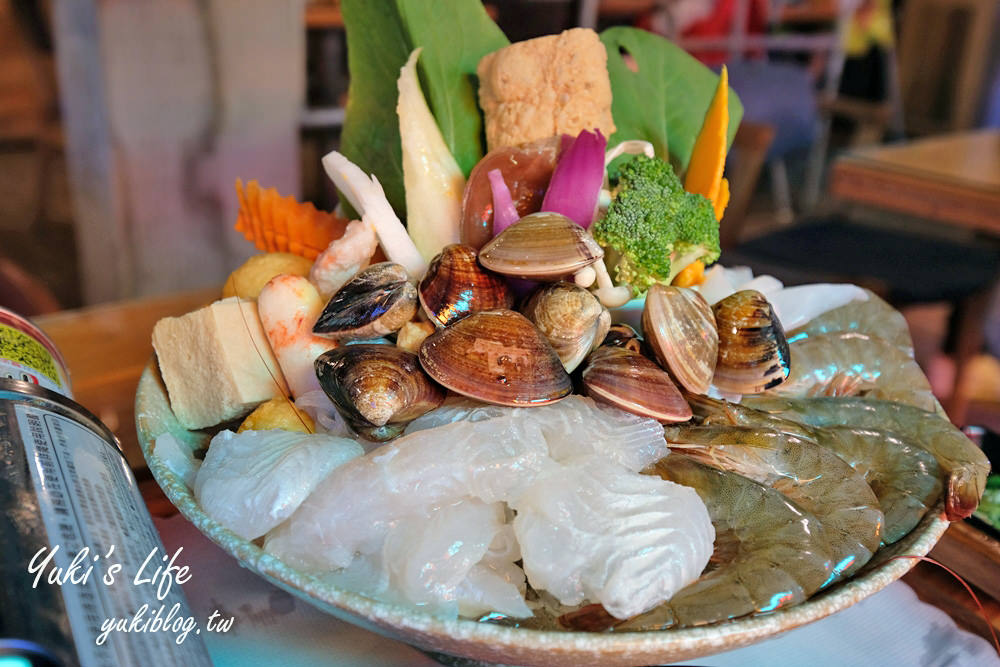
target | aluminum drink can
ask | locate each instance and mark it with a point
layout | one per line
(69, 505)
(27, 354)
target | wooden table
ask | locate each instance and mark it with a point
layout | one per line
(107, 346)
(952, 179)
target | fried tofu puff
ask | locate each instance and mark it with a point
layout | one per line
(545, 86)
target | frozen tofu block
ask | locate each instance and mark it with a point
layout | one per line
(216, 363)
(546, 86)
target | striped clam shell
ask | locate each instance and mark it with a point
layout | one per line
(753, 352)
(681, 330)
(571, 318)
(541, 246)
(631, 382)
(456, 286)
(378, 389)
(496, 356)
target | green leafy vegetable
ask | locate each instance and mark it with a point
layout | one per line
(377, 48)
(664, 102)
(454, 34)
(653, 228)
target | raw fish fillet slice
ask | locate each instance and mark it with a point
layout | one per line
(595, 531)
(575, 425)
(496, 583)
(427, 559)
(458, 408)
(353, 509)
(252, 481)
(493, 587)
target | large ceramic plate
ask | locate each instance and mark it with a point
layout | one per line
(492, 643)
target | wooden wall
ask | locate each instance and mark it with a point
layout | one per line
(165, 103)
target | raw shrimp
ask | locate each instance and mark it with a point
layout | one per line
(288, 307)
(905, 478)
(812, 476)
(849, 363)
(769, 552)
(343, 258)
(873, 317)
(965, 465)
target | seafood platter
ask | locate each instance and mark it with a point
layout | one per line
(540, 423)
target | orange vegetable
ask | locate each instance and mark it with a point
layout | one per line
(693, 274)
(708, 158)
(719, 205)
(281, 224)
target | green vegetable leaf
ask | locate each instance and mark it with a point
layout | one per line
(455, 35)
(377, 48)
(665, 101)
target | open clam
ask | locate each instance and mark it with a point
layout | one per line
(378, 389)
(628, 380)
(375, 302)
(541, 246)
(496, 356)
(681, 331)
(571, 318)
(753, 352)
(622, 335)
(456, 286)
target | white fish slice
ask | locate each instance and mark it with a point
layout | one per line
(252, 481)
(595, 531)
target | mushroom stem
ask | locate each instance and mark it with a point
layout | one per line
(610, 296)
(585, 277)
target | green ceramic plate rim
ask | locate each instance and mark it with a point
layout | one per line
(492, 642)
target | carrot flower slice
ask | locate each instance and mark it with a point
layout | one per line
(281, 224)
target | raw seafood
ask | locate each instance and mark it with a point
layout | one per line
(813, 477)
(905, 478)
(773, 553)
(965, 465)
(503, 454)
(288, 307)
(343, 258)
(871, 316)
(252, 481)
(850, 363)
(573, 520)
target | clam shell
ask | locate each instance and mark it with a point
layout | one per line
(541, 246)
(681, 331)
(622, 335)
(571, 318)
(496, 356)
(455, 286)
(378, 389)
(630, 381)
(753, 352)
(375, 302)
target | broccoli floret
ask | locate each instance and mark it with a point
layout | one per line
(653, 228)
